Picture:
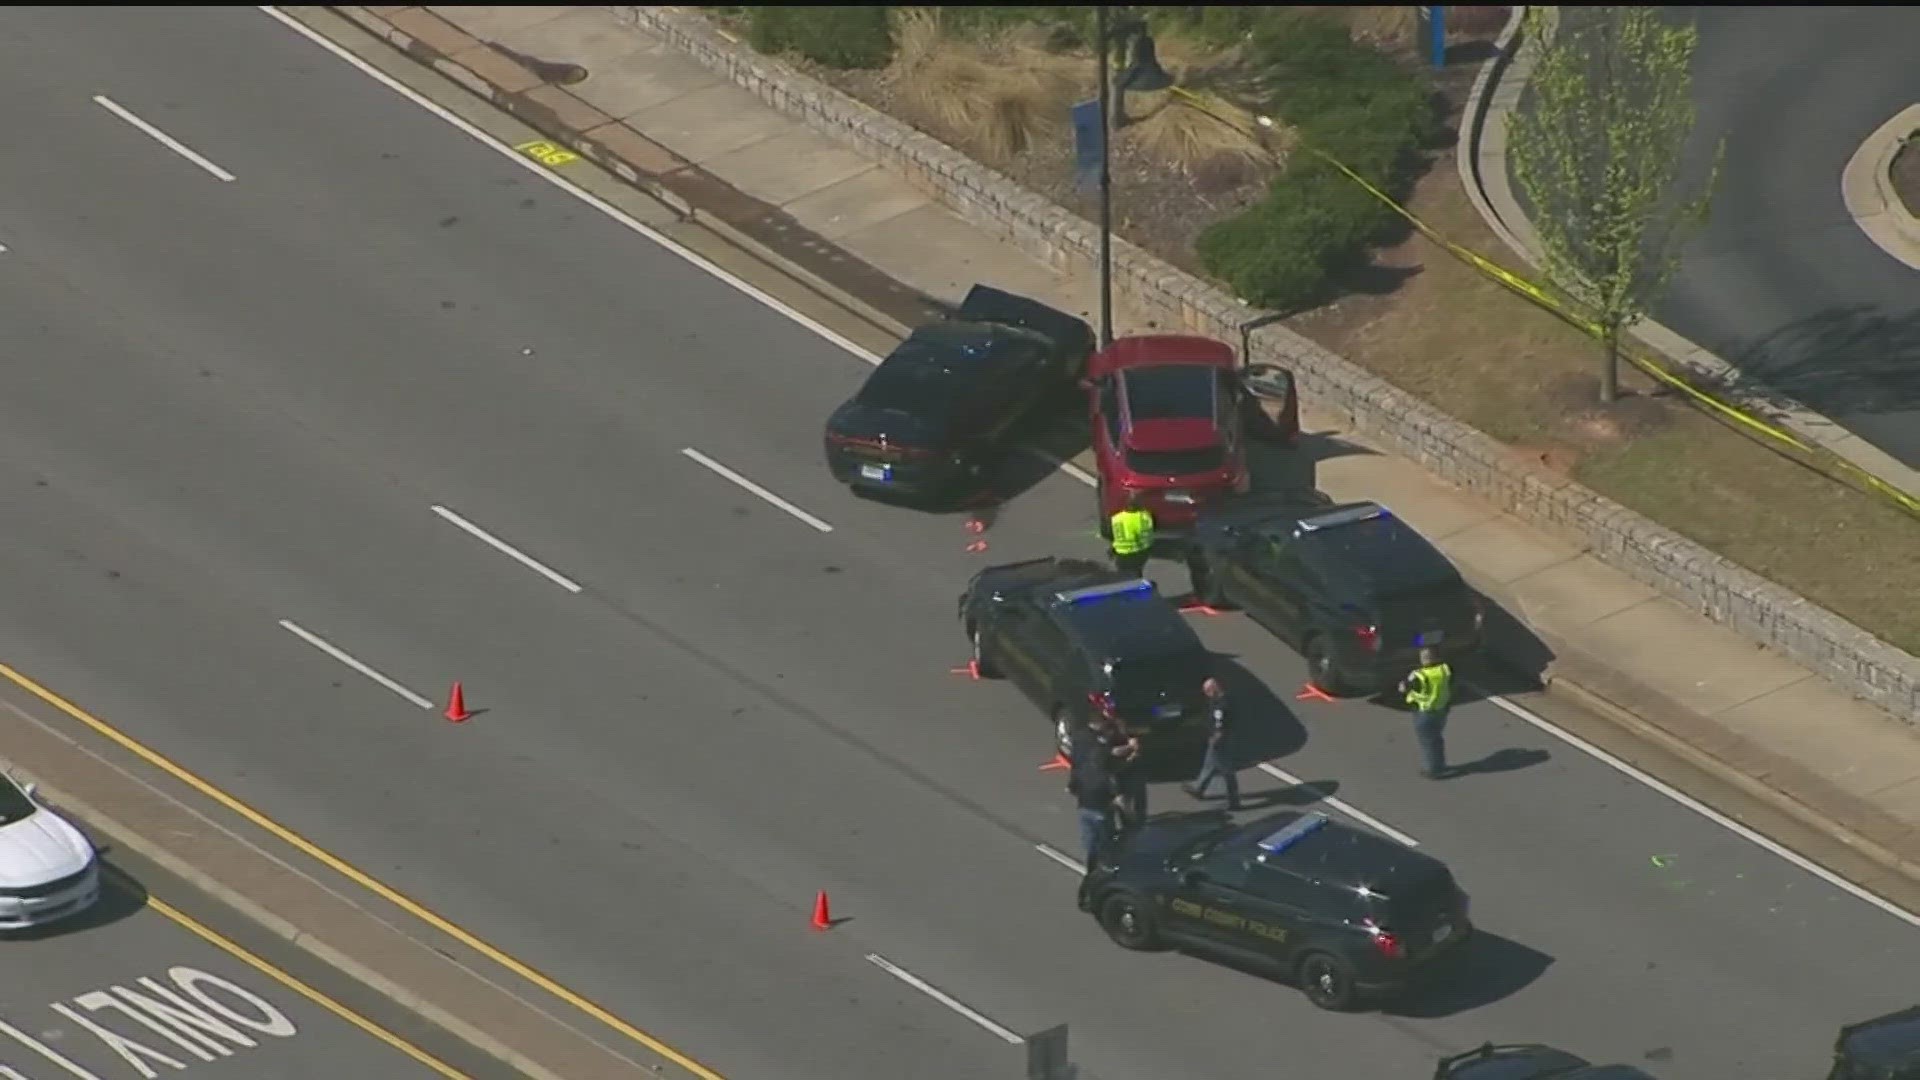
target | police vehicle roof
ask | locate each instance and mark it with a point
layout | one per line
(1133, 620)
(1364, 546)
(1335, 852)
(1886, 1042)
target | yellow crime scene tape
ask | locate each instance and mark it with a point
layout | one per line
(1818, 458)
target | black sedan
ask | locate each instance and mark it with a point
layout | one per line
(940, 411)
(1530, 1062)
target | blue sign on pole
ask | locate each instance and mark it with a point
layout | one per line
(1433, 20)
(1089, 145)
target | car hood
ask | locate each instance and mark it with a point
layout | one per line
(39, 848)
(860, 420)
(1155, 436)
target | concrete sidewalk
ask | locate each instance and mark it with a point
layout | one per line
(666, 123)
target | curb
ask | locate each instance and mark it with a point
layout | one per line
(125, 836)
(1866, 186)
(1480, 104)
(453, 54)
(1483, 170)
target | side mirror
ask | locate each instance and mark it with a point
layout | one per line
(1084, 383)
(29, 790)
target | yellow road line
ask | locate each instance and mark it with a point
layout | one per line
(213, 937)
(360, 877)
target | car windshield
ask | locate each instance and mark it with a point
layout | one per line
(1178, 673)
(14, 804)
(1170, 392)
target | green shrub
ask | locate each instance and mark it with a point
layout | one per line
(839, 37)
(1075, 25)
(1352, 103)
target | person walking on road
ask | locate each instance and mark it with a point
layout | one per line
(1219, 761)
(1429, 690)
(1132, 529)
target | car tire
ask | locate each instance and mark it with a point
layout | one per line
(1062, 722)
(1129, 920)
(1328, 982)
(1322, 670)
(982, 666)
(1206, 586)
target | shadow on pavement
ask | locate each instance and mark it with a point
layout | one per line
(121, 897)
(1512, 658)
(1275, 468)
(1511, 759)
(1489, 969)
(1267, 728)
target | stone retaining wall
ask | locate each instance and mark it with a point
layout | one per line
(1846, 655)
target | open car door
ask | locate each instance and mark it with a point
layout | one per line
(1071, 336)
(1273, 403)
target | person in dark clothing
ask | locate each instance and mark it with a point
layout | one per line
(1219, 761)
(1129, 775)
(1095, 790)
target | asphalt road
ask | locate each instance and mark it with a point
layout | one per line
(1781, 282)
(230, 404)
(112, 991)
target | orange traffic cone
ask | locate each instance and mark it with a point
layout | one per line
(822, 919)
(457, 705)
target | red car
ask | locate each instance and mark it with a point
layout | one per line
(1171, 415)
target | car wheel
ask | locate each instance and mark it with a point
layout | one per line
(1129, 920)
(1206, 586)
(1062, 731)
(1322, 671)
(1328, 982)
(982, 666)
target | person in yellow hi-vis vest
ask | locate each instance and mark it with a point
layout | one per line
(1132, 529)
(1429, 689)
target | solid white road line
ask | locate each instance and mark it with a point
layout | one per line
(756, 489)
(507, 549)
(320, 643)
(567, 186)
(701, 262)
(1703, 809)
(1344, 807)
(162, 137)
(1067, 467)
(862, 353)
(1061, 857)
(940, 996)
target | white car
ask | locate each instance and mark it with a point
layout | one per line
(48, 868)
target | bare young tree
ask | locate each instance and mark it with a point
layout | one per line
(1596, 148)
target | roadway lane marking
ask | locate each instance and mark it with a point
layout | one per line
(162, 137)
(941, 996)
(357, 876)
(1344, 807)
(1062, 858)
(756, 489)
(519, 157)
(1067, 467)
(292, 982)
(1702, 809)
(507, 549)
(320, 643)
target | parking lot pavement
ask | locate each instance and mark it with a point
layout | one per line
(155, 981)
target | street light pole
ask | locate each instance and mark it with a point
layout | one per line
(1106, 181)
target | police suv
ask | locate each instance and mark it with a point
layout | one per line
(1078, 637)
(1529, 1062)
(1348, 915)
(1358, 591)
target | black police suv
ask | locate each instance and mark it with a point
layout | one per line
(935, 415)
(1529, 1062)
(1884, 1048)
(1077, 636)
(1349, 915)
(1355, 589)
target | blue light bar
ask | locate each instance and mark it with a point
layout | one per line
(1094, 594)
(1293, 833)
(1349, 516)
